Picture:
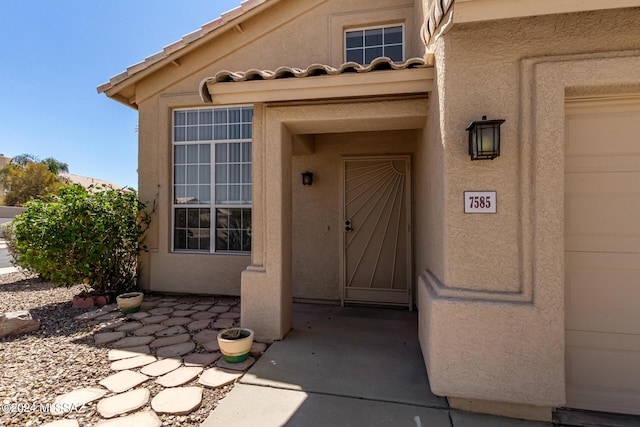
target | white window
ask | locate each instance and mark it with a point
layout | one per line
(363, 45)
(212, 175)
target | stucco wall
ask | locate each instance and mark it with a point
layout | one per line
(289, 33)
(317, 223)
(492, 321)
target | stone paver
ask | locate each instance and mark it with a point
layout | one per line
(235, 309)
(77, 397)
(201, 359)
(201, 307)
(149, 304)
(141, 419)
(173, 330)
(179, 377)
(198, 324)
(211, 346)
(167, 304)
(123, 403)
(201, 315)
(180, 400)
(117, 354)
(176, 339)
(123, 381)
(138, 315)
(168, 299)
(129, 326)
(89, 315)
(229, 315)
(149, 330)
(161, 367)
(183, 313)
(155, 319)
(223, 323)
(132, 342)
(133, 362)
(109, 316)
(217, 377)
(257, 348)
(182, 307)
(160, 311)
(206, 335)
(107, 337)
(219, 309)
(62, 423)
(177, 321)
(176, 350)
(111, 324)
(240, 366)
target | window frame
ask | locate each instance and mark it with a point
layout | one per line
(212, 205)
(374, 27)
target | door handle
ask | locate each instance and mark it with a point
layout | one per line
(347, 225)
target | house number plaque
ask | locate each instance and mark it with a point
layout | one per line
(480, 202)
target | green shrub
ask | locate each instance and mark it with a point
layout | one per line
(83, 236)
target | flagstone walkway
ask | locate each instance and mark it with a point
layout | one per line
(171, 341)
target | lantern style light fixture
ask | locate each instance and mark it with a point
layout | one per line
(307, 178)
(484, 139)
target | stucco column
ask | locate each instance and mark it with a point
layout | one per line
(266, 283)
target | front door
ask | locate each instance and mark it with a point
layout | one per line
(376, 212)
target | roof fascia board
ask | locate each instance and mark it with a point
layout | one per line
(388, 82)
(486, 10)
(122, 81)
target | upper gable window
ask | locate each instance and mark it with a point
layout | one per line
(363, 45)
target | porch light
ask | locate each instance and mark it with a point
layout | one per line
(307, 178)
(484, 139)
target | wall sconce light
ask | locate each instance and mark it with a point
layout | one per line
(484, 139)
(307, 178)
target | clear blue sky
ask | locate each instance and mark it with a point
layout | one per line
(55, 54)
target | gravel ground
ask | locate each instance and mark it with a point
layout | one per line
(60, 357)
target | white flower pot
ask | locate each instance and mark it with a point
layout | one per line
(235, 349)
(130, 302)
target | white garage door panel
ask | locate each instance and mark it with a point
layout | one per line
(602, 255)
(593, 373)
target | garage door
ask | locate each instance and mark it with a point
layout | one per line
(602, 254)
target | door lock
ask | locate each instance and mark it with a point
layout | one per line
(347, 225)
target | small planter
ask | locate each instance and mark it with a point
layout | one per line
(130, 302)
(102, 300)
(83, 302)
(235, 344)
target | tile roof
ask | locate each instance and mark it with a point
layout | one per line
(224, 20)
(381, 63)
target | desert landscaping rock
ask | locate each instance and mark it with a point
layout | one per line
(123, 381)
(132, 342)
(176, 339)
(17, 322)
(129, 326)
(211, 346)
(107, 337)
(223, 323)
(123, 403)
(198, 325)
(201, 359)
(133, 362)
(176, 350)
(149, 330)
(161, 367)
(160, 311)
(217, 377)
(139, 315)
(173, 330)
(229, 315)
(63, 423)
(109, 316)
(93, 314)
(154, 319)
(240, 366)
(177, 321)
(141, 419)
(206, 335)
(117, 354)
(219, 309)
(257, 348)
(179, 377)
(201, 307)
(180, 400)
(77, 397)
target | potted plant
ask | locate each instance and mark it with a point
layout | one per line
(129, 302)
(235, 344)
